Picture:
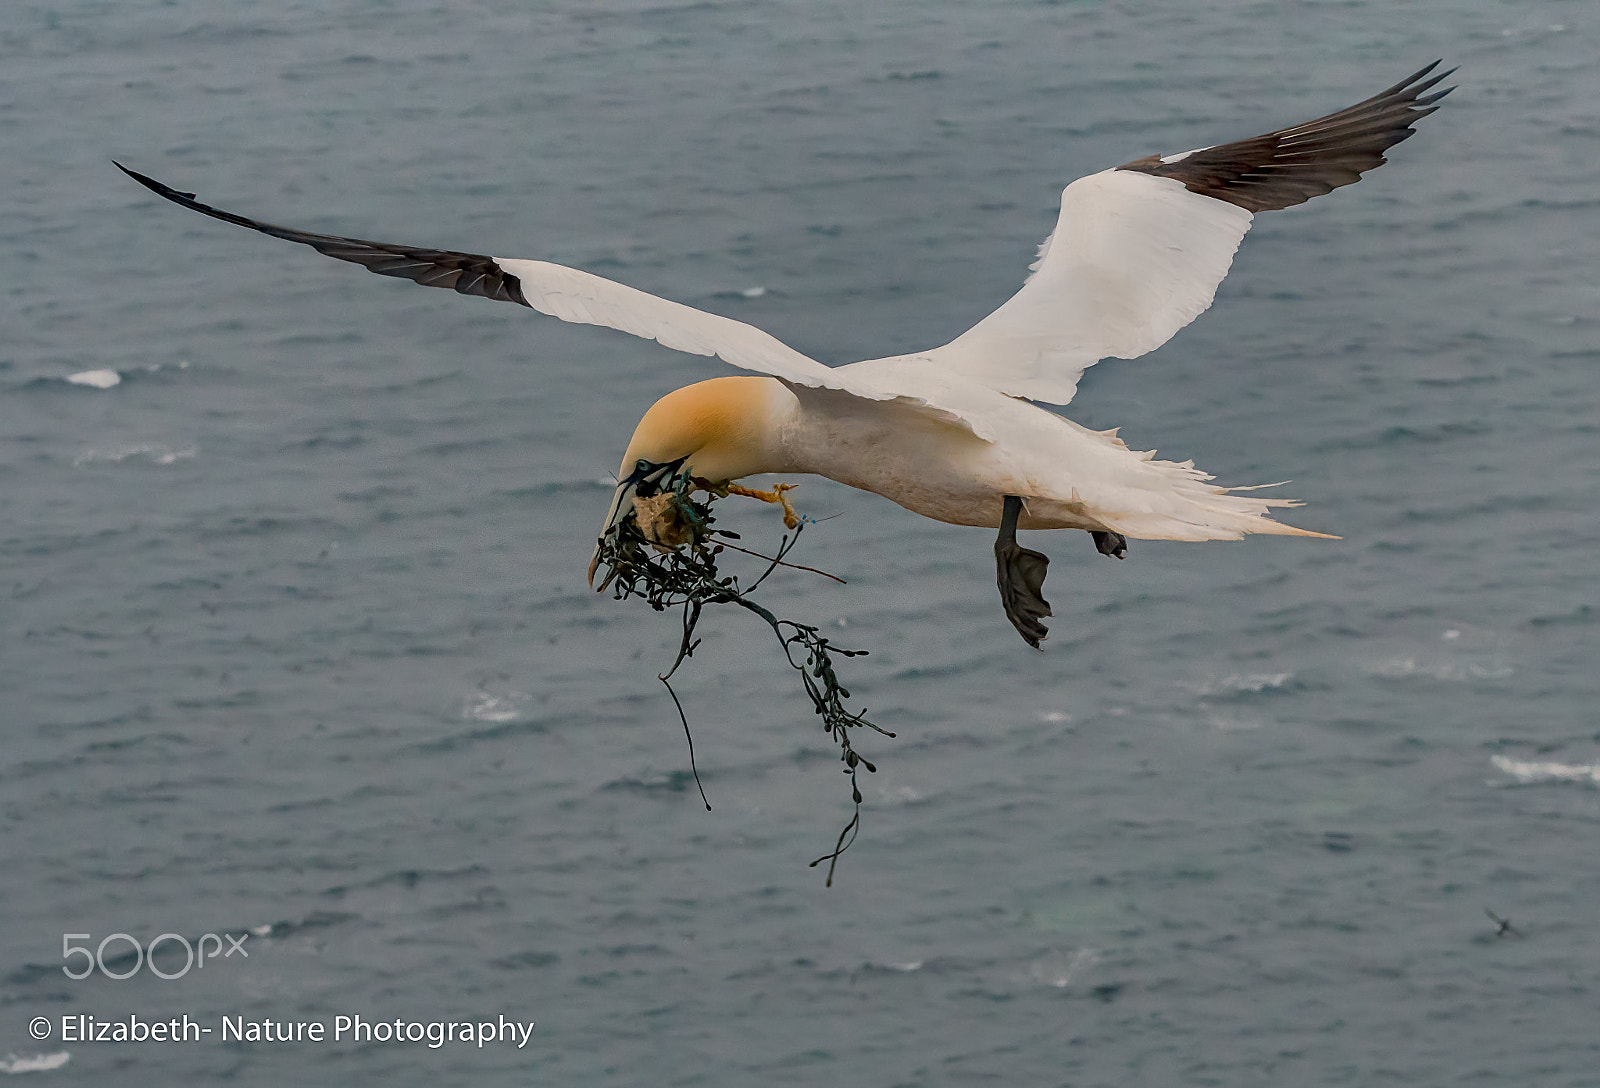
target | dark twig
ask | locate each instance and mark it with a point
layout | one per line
(692, 768)
(791, 566)
(671, 562)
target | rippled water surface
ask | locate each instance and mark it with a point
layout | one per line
(294, 634)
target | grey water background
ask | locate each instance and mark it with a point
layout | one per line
(294, 634)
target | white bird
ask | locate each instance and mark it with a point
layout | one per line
(951, 433)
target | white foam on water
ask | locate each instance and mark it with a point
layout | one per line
(483, 706)
(99, 379)
(1229, 723)
(1250, 683)
(1050, 971)
(38, 1063)
(1401, 667)
(157, 453)
(1543, 771)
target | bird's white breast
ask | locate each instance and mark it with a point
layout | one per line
(939, 470)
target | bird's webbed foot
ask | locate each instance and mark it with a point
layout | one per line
(1019, 573)
(791, 520)
(1110, 543)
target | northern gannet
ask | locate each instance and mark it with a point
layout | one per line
(951, 433)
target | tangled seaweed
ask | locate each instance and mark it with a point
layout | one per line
(666, 552)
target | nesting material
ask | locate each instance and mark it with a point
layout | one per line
(679, 569)
(662, 521)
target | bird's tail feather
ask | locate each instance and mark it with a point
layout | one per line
(1175, 501)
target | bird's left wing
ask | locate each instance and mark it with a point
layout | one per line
(1138, 251)
(574, 295)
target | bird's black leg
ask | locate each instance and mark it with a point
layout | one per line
(1110, 543)
(1020, 575)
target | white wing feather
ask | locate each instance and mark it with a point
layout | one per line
(574, 295)
(1133, 259)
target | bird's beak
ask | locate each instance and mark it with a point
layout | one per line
(621, 506)
(646, 479)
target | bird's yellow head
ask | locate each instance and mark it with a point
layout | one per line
(723, 426)
(718, 430)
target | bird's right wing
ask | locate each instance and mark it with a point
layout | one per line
(577, 296)
(1138, 251)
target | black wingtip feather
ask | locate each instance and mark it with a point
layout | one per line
(466, 273)
(153, 185)
(1290, 166)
